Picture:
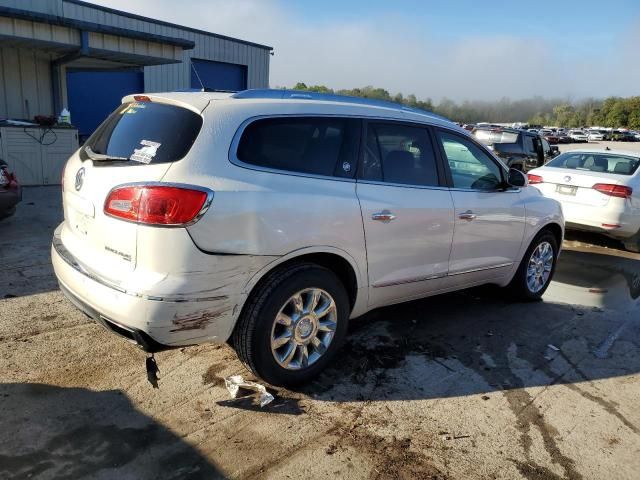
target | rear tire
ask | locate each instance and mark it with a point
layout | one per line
(283, 307)
(534, 273)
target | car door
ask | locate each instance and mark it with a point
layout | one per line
(407, 211)
(489, 218)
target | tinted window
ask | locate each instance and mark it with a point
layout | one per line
(315, 145)
(596, 162)
(470, 166)
(397, 153)
(147, 132)
(528, 145)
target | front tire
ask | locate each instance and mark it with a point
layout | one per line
(536, 268)
(293, 324)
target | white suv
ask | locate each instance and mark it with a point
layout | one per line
(268, 218)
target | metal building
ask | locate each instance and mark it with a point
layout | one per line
(73, 54)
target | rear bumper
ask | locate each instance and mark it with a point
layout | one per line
(618, 225)
(138, 337)
(149, 321)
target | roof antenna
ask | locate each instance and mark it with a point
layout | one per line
(198, 76)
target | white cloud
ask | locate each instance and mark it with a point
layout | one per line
(397, 54)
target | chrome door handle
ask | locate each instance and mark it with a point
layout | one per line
(383, 216)
(468, 216)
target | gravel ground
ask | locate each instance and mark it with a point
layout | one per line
(462, 386)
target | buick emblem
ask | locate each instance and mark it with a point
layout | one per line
(79, 179)
(566, 179)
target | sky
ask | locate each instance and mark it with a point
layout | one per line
(458, 49)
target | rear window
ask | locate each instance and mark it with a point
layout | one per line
(146, 132)
(314, 145)
(489, 137)
(596, 162)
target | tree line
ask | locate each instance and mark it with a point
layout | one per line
(613, 112)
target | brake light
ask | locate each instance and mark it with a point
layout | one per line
(7, 179)
(4, 177)
(533, 179)
(157, 204)
(141, 98)
(620, 191)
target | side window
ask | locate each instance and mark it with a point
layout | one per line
(315, 145)
(397, 153)
(471, 168)
(546, 148)
(529, 147)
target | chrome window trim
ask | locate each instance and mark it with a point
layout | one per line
(233, 148)
(207, 203)
(425, 187)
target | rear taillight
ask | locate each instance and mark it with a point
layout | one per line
(157, 204)
(7, 179)
(620, 191)
(533, 179)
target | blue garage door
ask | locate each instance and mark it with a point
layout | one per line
(93, 95)
(218, 75)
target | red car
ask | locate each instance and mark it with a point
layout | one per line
(10, 191)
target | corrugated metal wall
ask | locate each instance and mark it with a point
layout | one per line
(208, 47)
(25, 83)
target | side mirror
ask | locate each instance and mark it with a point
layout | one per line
(517, 178)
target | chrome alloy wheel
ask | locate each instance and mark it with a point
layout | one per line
(303, 329)
(539, 268)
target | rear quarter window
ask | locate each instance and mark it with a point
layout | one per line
(147, 132)
(325, 146)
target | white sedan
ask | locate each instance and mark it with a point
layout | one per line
(578, 136)
(595, 136)
(599, 191)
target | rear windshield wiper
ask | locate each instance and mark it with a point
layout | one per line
(98, 157)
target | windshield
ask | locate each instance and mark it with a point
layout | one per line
(596, 162)
(144, 132)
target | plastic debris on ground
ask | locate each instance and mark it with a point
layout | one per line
(235, 382)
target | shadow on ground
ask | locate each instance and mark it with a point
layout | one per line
(475, 342)
(70, 433)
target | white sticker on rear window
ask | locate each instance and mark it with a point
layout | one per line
(145, 153)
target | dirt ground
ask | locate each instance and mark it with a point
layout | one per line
(463, 386)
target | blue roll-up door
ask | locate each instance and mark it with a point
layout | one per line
(93, 95)
(218, 75)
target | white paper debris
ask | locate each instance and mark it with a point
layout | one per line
(553, 347)
(146, 153)
(235, 382)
